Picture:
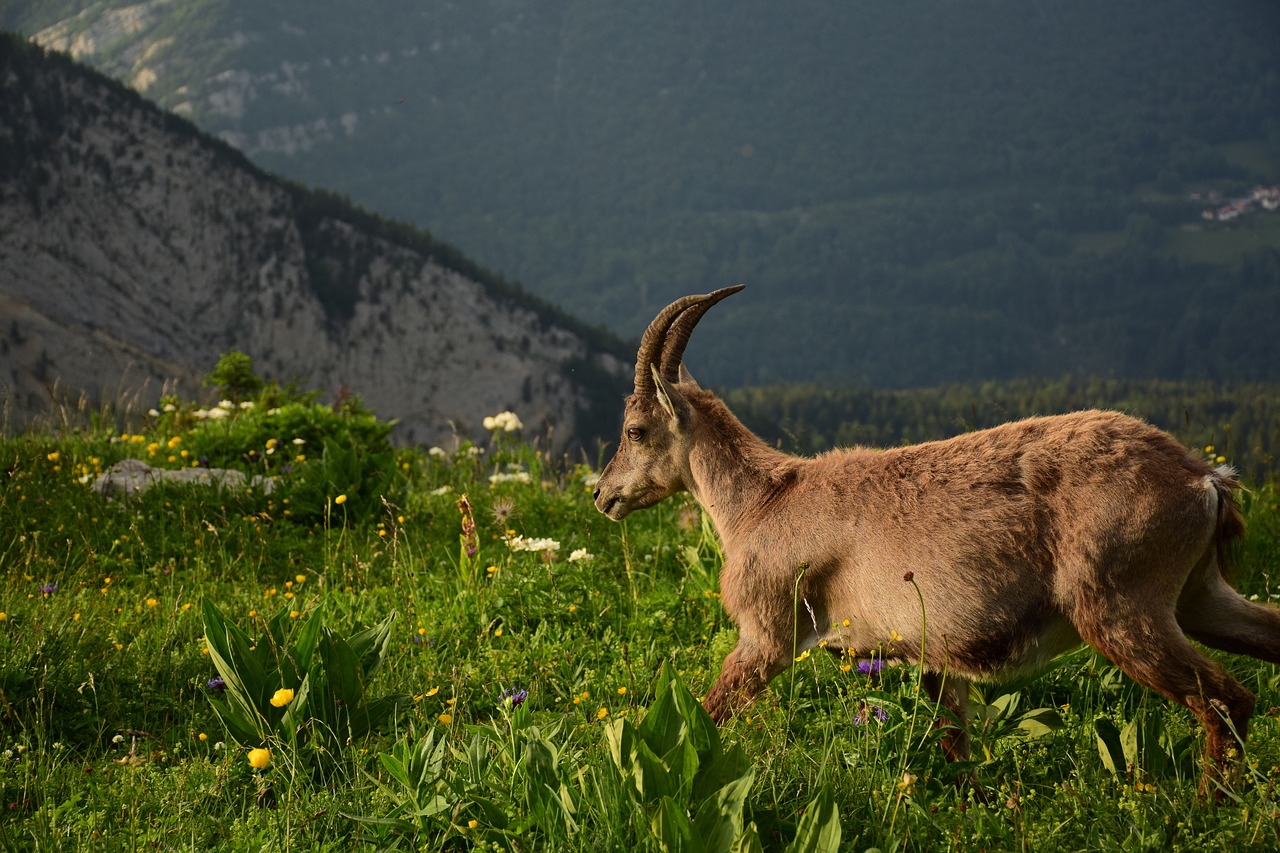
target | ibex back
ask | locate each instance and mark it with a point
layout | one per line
(1021, 541)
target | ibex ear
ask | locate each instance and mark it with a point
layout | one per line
(672, 401)
(686, 378)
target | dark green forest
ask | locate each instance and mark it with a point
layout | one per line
(1240, 424)
(916, 193)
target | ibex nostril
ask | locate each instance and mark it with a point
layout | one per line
(596, 494)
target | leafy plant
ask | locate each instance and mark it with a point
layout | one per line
(274, 687)
(676, 769)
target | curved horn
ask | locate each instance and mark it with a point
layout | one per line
(651, 342)
(678, 336)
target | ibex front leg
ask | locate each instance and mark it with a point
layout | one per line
(746, 672)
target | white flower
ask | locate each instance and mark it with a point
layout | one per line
(581, 554)
(523, 543)
(219, 746)
(437, 452)
(443, 490)
(170, 407)
(155, 413)
(226, 404)
(118, 739)
(247, 404)
(299, 441)
(511, 476)
(505, 421)
(590, 479)
(475, 451)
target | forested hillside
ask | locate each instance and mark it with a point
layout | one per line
(915, 193)
(1237, 425)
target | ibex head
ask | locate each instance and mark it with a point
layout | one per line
(652, 460)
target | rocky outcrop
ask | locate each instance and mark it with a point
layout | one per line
(134, 251)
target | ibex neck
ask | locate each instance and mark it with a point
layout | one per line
(735, 475)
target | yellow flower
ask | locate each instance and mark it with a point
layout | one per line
(622, 691)
(433, 691)
(151, 602)
(3, 616)
(472, 824)
(299, 578)
(174, 442)
(203, 736)
(294, 614)
(445, 719)
(340, 499)
(895, 636)
(804, 654)
(282, 697)
(602, 713)
(53, 457)
(259, 758)
(497, 632)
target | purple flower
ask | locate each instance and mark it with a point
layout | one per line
(513, 698)
(870, 666)
(49, 588)
(216, 685)
(869, 711)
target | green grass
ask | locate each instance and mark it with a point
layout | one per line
(107, 739)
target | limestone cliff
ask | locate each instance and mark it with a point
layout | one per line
(134, 250)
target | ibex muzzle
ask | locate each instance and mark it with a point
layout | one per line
(1021, 541)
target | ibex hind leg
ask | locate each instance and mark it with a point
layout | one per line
(743, 676)
(1152, 650)
(1213, 613)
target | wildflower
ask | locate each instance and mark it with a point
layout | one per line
(895, 636)
(622, 691)
(151, 602)
(259, 758)
(470, 541)
(118, 739)
(203, 737)
(473, 823)
(340, 500)
(443, 490)
(505, 421)
(581, 554)
(803, 655)
(216, 685)
(523, 543)
(867, 712)
(282, 697)
(174, 442)
(445, 719)
(48, 589)
(3, 616)
(299, 578)
(907, 784)
(602, 713)
(870, 666)
(521, 477)
(437, 452)
(513, 698)
(53, 457)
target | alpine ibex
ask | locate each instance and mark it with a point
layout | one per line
(979, 558)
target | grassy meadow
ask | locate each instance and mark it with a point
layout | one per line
(411, 648)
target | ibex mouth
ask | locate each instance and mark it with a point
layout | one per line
(611, 506)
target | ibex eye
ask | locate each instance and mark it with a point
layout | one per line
(634, 433)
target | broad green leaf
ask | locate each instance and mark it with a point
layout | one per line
(649, 774)
(749, 842)
(370, 646)
(819, 828)
(1040, 722)
(732, 765)
(341, 669)
(719, 820)
(1110, 749)
(673, 830)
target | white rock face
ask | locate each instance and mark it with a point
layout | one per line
(134, 251)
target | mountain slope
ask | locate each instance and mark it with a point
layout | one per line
(134, 250)
(935, 191)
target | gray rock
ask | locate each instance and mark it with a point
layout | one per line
(133, 477)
